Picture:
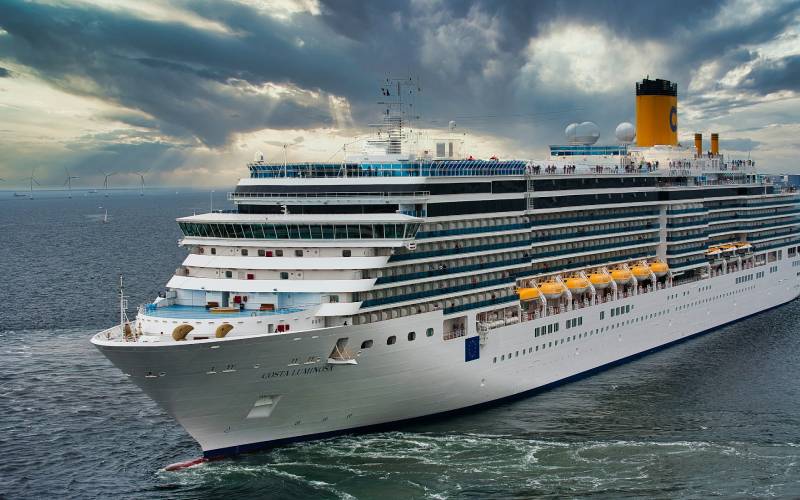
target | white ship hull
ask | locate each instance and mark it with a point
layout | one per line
(244, 393)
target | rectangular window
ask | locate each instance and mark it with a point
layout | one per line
(550, 328)
(284, 275)
(298, 253)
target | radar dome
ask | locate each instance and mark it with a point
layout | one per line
(585, 133)
(570, 132)
(625, 133)
(259, 156)
(452, 125)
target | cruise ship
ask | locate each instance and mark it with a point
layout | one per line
(405, 282)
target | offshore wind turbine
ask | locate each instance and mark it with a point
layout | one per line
(105, 182)
(68, 182)
(141, 178)
(33, 180)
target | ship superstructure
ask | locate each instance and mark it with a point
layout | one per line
(390, 286)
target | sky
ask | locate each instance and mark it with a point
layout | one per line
(188, 91)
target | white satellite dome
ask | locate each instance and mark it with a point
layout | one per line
(570, 132)
(451, 125)
(625, 133)
(259, 156)
(585, 133)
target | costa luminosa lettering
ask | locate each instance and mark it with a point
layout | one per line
(295, 372)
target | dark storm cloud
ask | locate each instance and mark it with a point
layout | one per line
(177, 73)
(197, 83)
(773, 76)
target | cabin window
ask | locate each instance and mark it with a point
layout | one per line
(429, 332)
(284, 275)
(261, 252)
(279, 253)
(366, 344)
(347, 253)
(244, 252)
(229, 274)
(298, 253)
(333, 299)
(412, 336)
(391, 340)
(213, 251)
(251, 276)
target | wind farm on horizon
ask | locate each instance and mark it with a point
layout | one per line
(35, 185)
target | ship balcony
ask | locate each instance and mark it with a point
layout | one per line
(201, 312)
(330, 198)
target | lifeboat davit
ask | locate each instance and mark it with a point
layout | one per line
(621, 276)
(641, 272)
(552, 289)
(659, 268)
(600, 281)
(528, 293)
(577, 285)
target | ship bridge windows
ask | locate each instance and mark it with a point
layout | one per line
(299, 231)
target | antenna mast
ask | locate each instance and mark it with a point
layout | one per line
(123, 305)
(396, 112)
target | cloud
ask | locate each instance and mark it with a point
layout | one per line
(190, 86)
(771, 76)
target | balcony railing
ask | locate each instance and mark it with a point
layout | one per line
(593, 217)
(622, 231)
(459, 250)
(439, 291)
(471, 230)
(451, 270)
(247, 196)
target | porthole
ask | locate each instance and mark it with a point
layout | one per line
(366, 344)
(391, 340)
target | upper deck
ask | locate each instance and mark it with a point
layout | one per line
(650, 162)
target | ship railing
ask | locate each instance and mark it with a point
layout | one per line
(454, 333)
(234, 196)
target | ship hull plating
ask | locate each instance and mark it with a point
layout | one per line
(240, 394)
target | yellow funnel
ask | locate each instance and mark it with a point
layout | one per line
(656, 113)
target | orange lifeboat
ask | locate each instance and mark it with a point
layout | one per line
(641, 272)
(577, 285)
(600, 281)
(552, 289)
(532, 293)
(659, 268)
(621, 276)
